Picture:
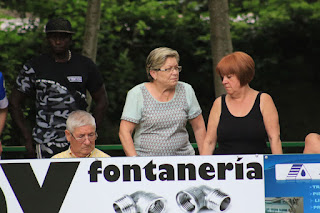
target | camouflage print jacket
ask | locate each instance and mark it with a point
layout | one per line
(58, 88)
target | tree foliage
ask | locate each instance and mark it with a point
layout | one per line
(281, 35)
(283, 38)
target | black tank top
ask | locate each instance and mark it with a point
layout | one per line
(241, 135)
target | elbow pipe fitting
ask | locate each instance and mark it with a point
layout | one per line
(193, 199)
(140, 202)
(125, 205)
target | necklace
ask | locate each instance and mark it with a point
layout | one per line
(69, 56)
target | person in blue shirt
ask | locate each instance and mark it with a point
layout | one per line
(3, 107)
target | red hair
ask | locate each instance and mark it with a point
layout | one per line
(238, 63)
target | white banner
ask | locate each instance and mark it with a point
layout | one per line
(231, 184)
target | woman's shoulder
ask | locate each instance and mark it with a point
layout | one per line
(265, 97)
(217, 101)
(184, 84)
(137, 88)
(266, 102)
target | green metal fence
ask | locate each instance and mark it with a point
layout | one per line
(111, 147)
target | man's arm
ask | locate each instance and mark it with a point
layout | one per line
(15, 100)
(3, 116)
(101, 103)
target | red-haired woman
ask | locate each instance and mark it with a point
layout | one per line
(242, 120)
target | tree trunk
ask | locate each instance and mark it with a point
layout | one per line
(221, 43)
(90, 41)
(92, 27)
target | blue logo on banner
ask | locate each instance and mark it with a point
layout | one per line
(298, 171)
(294, 171)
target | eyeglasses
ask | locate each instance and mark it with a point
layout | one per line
(178, 68)
(91, 137)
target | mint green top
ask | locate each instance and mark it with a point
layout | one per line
(161, 126)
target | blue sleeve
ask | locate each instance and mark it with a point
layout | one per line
(3, 99)
(2, 89)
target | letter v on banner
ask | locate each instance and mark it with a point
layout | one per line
(33, 198)
(3, 204)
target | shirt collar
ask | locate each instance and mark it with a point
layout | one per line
(74, 156)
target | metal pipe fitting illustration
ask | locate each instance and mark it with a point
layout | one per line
(193, 199)
(140, 202)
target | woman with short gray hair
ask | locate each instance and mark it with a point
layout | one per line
(158, 111)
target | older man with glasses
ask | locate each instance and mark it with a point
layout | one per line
(81, 134)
